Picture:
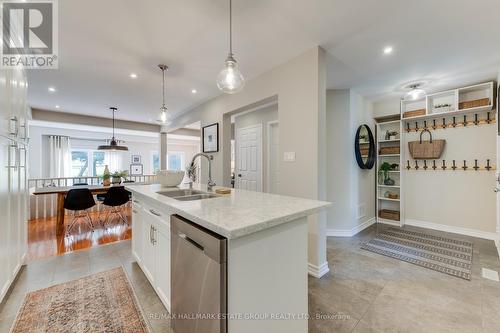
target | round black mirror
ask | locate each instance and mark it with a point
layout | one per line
(364, 146)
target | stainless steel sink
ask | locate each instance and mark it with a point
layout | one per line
(187, 195)
(179, 193)
(196, 197)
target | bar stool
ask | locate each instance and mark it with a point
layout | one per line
(79, 201)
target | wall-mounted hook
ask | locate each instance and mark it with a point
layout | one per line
(425, 124)
(416, 126)
(454, 124)
(425, 165)
(488, 166)
(476, 167)
(488, 119)
(444, 123)
(465, 120)
(433, 124)
(465, 165)
(408, 167)
(408, 127)
(416, 165)
(434, 167)
(454, 166)
(444, 165)
(476, 121)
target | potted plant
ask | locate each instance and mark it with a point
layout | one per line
(116, 177)
(385, 168)
(106, 176)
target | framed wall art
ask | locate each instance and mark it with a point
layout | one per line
(210, 135)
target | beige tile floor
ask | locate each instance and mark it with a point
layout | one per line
(364, 292)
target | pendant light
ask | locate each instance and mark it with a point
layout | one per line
(163, 118)
(415, 93)
(230, 80)
(113, 144)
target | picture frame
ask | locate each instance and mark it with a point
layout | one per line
(136, 159)
(136, 169)
(210, 134)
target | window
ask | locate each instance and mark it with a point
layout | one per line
(155, 162)
(175, 161)
(91, 163)
(79, 163)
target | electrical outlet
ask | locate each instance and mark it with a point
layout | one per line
(361, 211)
(289, 156)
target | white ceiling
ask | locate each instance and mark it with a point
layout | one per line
(450, 42)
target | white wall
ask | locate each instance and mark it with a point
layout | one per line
(387, 107)
(348, 186)
(299, 87)
(463, 199)
(39, 146)
(259, 117)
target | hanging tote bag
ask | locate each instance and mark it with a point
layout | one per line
(426, 150)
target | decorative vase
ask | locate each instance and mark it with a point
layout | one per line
(381, 177)
(106, 182)
(389, 182)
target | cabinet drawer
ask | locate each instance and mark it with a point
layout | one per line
(159, 220)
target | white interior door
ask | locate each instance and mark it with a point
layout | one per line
(273, 158)
(249, 158)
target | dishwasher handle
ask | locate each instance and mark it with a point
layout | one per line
(193, 242)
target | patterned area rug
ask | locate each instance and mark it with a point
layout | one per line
(103, 302)
(446, 255)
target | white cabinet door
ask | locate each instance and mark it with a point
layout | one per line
(4, 208)
(137, 231)
(162, 245)
(14, 220)
(23, 202)
(148, 248)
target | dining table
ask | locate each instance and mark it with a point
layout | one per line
(61, 192)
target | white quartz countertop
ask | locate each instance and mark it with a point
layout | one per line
(232, 215)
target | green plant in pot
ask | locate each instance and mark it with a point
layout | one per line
(385, 168)
(116, 177)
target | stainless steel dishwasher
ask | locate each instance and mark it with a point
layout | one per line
(199, 278)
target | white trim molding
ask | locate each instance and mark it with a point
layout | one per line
(318, 271)
(497, 243)
(456, 230)
(350, 232)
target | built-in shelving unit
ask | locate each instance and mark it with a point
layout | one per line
(456, 102)
(383, 202)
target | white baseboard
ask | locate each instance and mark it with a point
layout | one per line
(318, 271)
(350, 232)
(456, 230)
(497, 243)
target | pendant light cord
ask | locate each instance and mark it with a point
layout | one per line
(231, 27)
(163, 72)
(113, 122)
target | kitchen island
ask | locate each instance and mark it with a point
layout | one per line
(266, 239)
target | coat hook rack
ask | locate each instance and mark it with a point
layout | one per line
(488, 167)
(408, 127)
(425, 165)
(475, 165)
(416, 126)
(476, 121)
(454, 124)
(425, 124)
(444, 165)
(408, 167)
(488, 120)
(416, 165)
(465, 165)
(434, 167)
(444, 123)
(433, 124)
(454, 166)
(465, 121)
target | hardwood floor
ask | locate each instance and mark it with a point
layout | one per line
(43, 242)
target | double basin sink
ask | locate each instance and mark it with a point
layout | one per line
(187, 195)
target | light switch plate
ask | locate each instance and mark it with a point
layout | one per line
(289, 156)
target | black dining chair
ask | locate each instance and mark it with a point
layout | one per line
(79, 201)
(115, 199)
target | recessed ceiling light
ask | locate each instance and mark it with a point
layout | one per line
(388, 50)
(52, 89)
(57, 106)
(194, 91)
(133, 76)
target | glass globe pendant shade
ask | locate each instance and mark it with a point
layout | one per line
(415, 93)
(230, 80)
(163, 117)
